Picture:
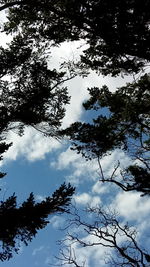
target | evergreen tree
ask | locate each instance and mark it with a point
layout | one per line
(126, 125)
(31, 94)
(3, 148)
(117, 32)
(21, 224)
(35, 94)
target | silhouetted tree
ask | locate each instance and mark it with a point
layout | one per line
(118, 36)
(30, 95)
(35, 94)
(126, 125)
(117, 32)
(3, 148)
(21, 224)
(101, 229)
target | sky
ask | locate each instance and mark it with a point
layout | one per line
(40, 164)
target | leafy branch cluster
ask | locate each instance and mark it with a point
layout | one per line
(22, 223)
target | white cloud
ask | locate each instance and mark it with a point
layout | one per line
(39, 198)
(88, 256)
(66, 159)
(131, 206)
(78, 92)
(57, 221)
(87, 199)
(37, 250)
(99, 188)
(77, 87)
(96, 255)
(5, 38)
(67, 51)
(32, 145)
(81, 170)
(109, 162)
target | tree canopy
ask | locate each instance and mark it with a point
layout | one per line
(31, 94)
(35, 94)
(117, 32)
(117, 37)
(126, 126)
(21, 224)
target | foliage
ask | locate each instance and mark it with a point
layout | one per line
(22, 223)
(31, 94)
(126, 126)
(139, 179)
(35, 94)
(117, 35)
(3, 148)
(117, 32)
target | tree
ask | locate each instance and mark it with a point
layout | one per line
(35, 97)
(31, 94)
(118, 36)
(35, 94)
(21, 224)
(117, 32)
(126, 126)
(102, 229)
(104, 25)
(3, 148)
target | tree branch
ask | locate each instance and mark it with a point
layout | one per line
(11, 4)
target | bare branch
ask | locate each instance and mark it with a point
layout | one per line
(105, 230)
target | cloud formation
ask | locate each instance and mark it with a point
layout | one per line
(87, 199)
(131, 206)
(32, 145)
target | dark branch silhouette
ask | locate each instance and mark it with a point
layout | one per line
(125, 126)
(21, 224)
(104, 229)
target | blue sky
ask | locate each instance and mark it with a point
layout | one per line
(40, 165)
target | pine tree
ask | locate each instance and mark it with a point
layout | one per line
(21, 224)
